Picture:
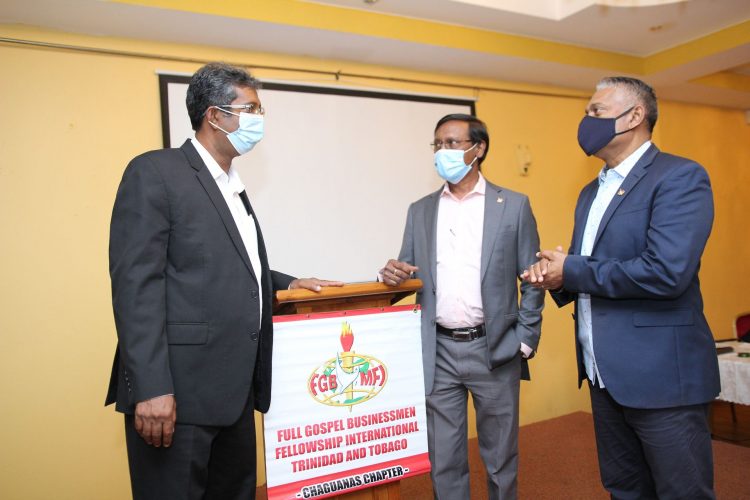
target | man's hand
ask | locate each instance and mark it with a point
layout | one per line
(313, 284)
(548, 272)
(535, 273)
(395, 272)
(155, 419)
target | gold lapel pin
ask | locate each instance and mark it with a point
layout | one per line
(621, 192)
(499, 199)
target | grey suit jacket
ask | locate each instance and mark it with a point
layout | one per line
(185, 295)
(509, 245)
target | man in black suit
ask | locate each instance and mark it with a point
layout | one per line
(192, 295)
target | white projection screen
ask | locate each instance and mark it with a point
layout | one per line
(334, 175)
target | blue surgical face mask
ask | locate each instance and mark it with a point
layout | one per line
(450, 164)
(248, 134)
(595, 133)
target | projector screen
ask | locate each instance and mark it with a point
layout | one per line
(334, 175)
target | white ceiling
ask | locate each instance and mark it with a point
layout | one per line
(639, 31)
(586, 23)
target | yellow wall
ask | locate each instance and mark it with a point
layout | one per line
(719, 139)
(71, 121)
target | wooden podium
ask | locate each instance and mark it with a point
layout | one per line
(348, 297)
(352, 296)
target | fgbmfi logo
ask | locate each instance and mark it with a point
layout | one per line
(348, 379)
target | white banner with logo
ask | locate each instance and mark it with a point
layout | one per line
(347, 406)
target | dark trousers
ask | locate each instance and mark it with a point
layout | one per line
(653, 453)
(203, 462)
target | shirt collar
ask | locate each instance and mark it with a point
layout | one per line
(479, 189)
(623, 169)
(231, 178)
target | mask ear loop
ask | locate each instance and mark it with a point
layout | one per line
(620, 116)
(475, 157)
(215, 125)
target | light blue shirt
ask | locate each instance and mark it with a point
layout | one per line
(610, 181)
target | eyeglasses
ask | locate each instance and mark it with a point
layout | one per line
(252, 108)
(450, 144)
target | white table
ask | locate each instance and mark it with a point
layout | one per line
(735, 373)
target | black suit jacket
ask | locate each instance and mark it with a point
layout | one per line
(184, 294)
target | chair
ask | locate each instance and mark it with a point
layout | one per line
(742, 325)
(741, 329)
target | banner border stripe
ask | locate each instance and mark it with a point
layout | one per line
(340, 314)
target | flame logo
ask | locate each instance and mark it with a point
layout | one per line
(349, 378)
(347, 337)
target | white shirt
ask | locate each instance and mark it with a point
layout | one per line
(231, 186)
(610, 181)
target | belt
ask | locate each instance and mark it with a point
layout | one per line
(462, 334)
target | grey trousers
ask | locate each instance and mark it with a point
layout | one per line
(460, 368)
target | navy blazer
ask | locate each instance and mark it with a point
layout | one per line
(185, 295)
(652, 343)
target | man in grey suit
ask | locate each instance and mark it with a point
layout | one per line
(468, 242)
(192, 294)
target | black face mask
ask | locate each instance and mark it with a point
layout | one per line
(595, 133)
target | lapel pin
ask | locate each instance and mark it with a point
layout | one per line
(621, 192)
(499, 199)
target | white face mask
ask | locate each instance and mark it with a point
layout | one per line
(450, 165)
(248, 134)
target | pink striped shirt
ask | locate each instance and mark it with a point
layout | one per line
(459, 256)
(460, 226)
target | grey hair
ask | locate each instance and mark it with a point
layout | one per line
(640, 90)
(213, 85)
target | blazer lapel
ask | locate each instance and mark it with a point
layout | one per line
(209, 184)
(267, 285)
(494, 207)
(430, 228)
(582, 213)
(635, 175)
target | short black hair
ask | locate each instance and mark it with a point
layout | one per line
(477, 130)
(213, 85)
(640, 90)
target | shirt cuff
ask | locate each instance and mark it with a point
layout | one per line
(157, 397)
(526, 350)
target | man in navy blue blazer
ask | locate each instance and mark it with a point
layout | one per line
(643, 342)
